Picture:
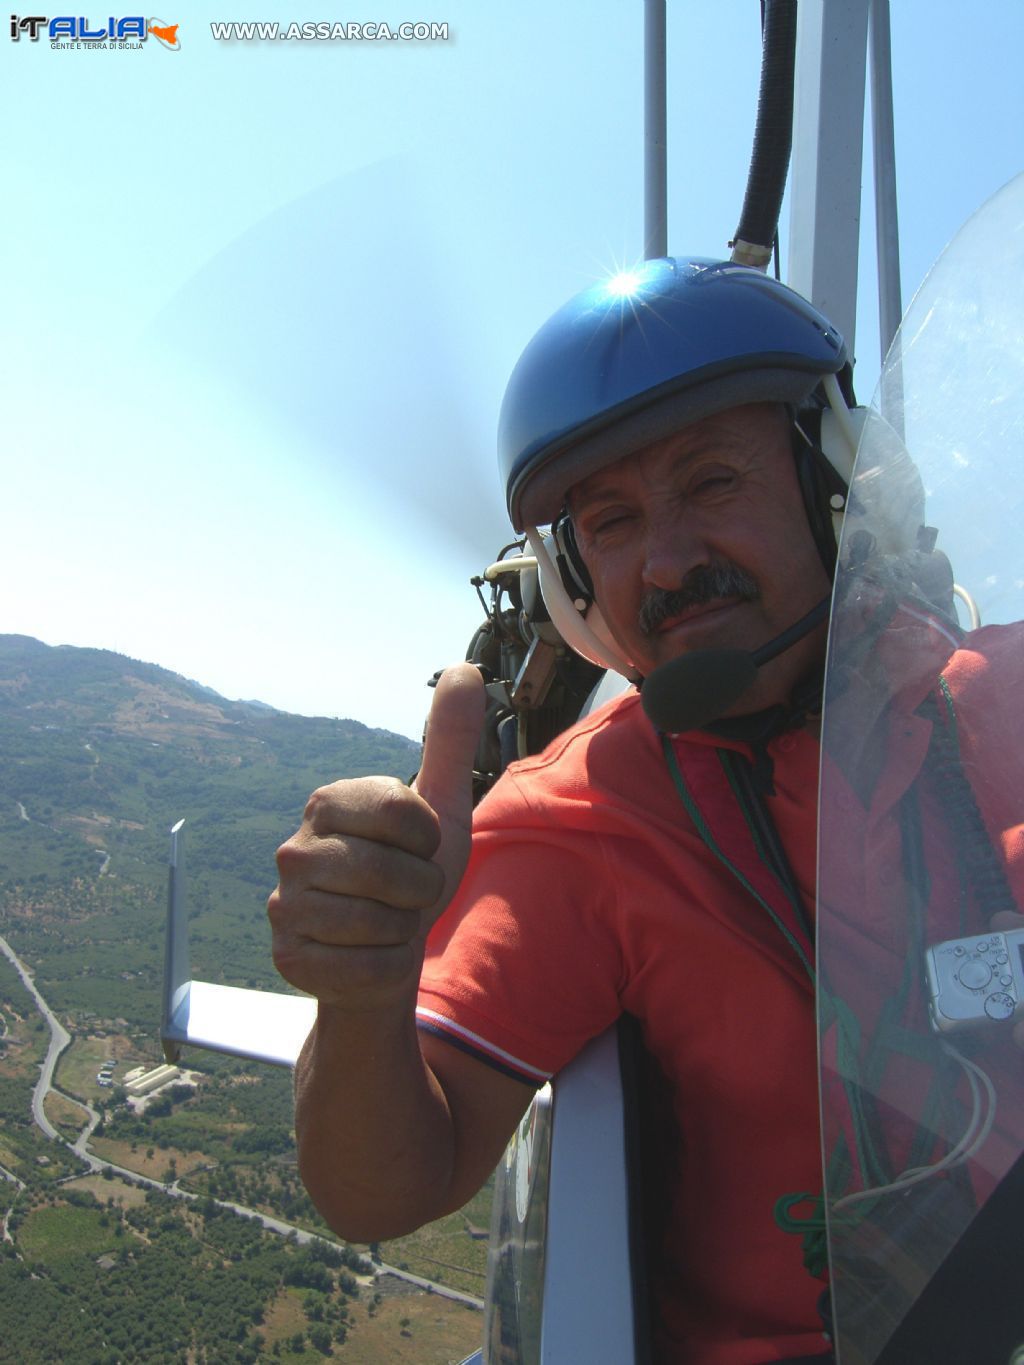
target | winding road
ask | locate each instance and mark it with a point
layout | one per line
(100, 852)
(59, 1040)
(5, 1174)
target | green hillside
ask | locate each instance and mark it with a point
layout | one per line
(99, 756)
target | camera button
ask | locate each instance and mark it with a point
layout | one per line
(999, 1005)
(975, 974)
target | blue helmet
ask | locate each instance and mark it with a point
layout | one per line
(635, 358)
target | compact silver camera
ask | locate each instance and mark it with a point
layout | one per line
(977, 980)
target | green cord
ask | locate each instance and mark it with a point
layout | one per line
(813, 1228)
(702, 829)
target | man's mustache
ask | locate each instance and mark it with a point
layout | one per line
(706, 583)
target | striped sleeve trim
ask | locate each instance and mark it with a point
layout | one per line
(468, 1041)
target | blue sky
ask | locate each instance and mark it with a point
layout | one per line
(261, 299)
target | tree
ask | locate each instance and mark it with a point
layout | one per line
(320, 1337)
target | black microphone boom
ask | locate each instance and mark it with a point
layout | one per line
(696, 689)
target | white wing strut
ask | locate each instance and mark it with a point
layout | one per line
(266, 1026)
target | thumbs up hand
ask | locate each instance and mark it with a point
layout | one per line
(375, 863)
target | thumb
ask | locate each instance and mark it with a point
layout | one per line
(445, 778)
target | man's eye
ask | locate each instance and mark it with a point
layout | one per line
(710, 483)
(609, 521)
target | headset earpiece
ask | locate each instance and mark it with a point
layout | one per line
(574, 573)
(821, 487)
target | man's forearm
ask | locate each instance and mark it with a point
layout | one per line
(387, 1140)
(375, 1137)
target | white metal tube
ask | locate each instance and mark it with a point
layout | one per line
(503, 566)
(824, 182)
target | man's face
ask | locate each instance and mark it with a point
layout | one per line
(701, 541)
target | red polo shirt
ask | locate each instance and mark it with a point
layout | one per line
(590, 893)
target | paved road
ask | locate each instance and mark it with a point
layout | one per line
(5, 1232)
(381, 1267)
(59, 1039)
(431, 1286)
(80, 1146)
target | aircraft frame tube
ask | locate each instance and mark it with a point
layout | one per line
(655, 155)
(887, 235)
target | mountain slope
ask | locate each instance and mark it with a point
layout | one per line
(99, 755)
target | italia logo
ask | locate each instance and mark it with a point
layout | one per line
(66, 29)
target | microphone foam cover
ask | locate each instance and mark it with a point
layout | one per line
(695, 689)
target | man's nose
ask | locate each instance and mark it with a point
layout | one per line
(670, 552)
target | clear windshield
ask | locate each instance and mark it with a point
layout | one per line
(922, 812)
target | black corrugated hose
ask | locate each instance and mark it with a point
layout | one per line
(773, 136)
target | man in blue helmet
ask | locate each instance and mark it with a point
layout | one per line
(664, 868)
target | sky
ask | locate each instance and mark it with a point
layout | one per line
(261, 299)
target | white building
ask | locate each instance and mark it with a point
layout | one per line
(141, 1082)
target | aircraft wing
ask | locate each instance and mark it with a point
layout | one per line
(267, 1026)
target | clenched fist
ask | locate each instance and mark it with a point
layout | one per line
(374, 864)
